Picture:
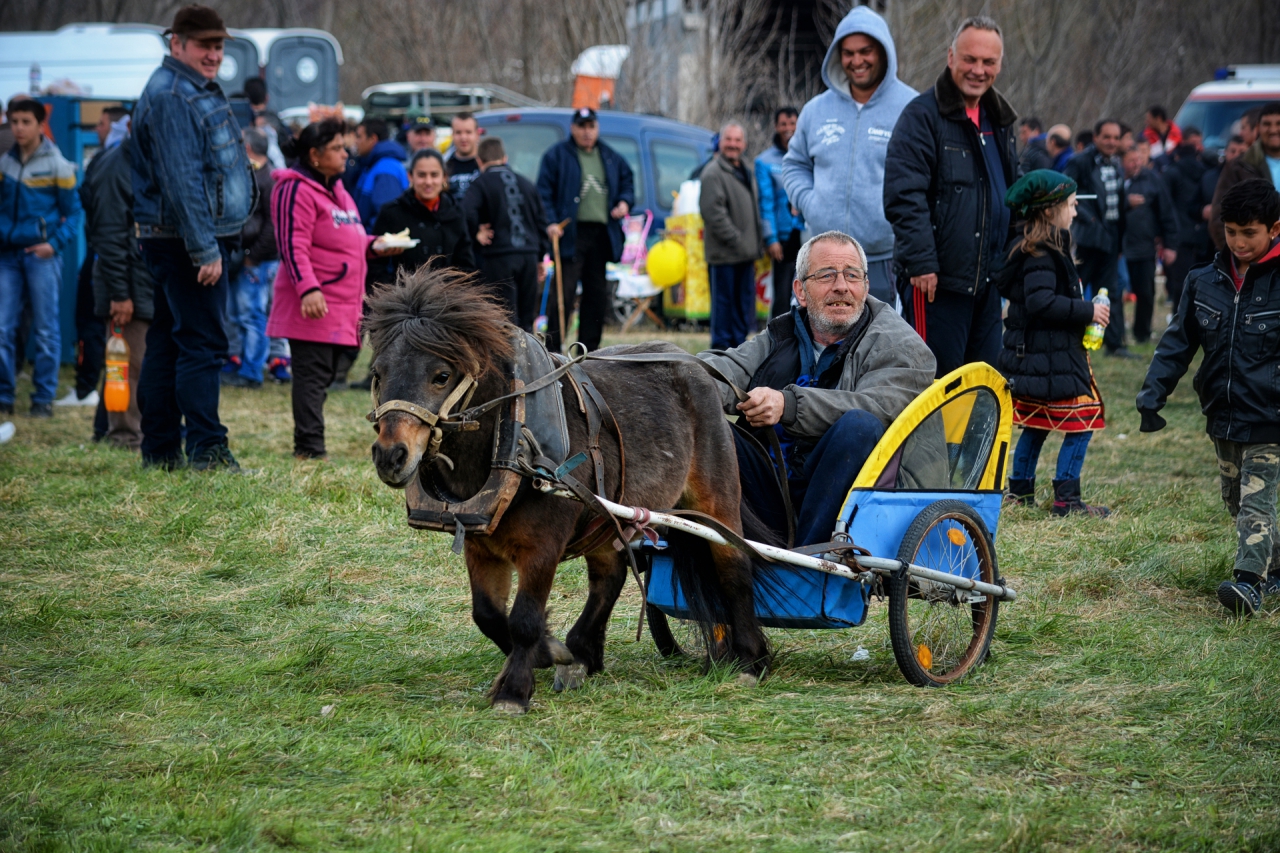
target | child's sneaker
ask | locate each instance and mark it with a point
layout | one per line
(1242, 596)
(232, 365)
(1272, 585)
(278, 370)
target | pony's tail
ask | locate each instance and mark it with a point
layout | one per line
(704, 594)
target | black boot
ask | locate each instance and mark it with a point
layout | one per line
(1022, 492)
(1066, 500)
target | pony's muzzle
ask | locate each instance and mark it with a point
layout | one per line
(398, 449)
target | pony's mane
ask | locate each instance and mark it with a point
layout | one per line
(446, 313)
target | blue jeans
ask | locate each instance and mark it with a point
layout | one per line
(733, 303)
(186, 346)
(818, 490)
(1070, 457)
(251, 295)
(26, 278)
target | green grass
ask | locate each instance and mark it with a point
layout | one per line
(276, 661)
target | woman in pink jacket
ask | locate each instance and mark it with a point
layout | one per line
(318, 291)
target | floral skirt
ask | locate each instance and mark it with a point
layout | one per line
(1080, 414)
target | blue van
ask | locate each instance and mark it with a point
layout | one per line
(661, 152)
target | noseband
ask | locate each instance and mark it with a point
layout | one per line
(436, 421)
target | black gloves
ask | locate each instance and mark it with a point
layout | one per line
(1151, 421)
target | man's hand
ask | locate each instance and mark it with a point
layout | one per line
(1151, 421)
(554, 231)
(121, 312)
(1137, 199)
(928, 283)
(1101, 314)
(313, 305)
(43, 251)
(210, 273)
(620, 210)
(485, 235)
(763, 407)
(775, 251)
(1169, 256)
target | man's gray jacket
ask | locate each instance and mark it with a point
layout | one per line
(731, 214)
(885, 370)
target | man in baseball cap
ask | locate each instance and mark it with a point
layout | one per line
(420, 134)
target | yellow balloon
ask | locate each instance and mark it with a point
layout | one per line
(666, 263)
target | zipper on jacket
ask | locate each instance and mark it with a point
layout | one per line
(1231, 360)
(986, 199)
(1249, 318)
(853, 158)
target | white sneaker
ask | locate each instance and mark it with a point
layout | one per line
(72, 400)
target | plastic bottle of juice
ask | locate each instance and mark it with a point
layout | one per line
(116, 394)
(1093, 334)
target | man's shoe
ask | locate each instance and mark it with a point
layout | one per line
(215, 458)
(40, 410)
(236, 380)
(363, 384)
(1242, 596)
(278, 370)
(72, 400)
(1123, 353)
(163, 463)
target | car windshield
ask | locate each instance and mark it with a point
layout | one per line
(1214, 118)
(630, 151)
(525, 143)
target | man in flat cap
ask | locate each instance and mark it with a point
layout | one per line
(193, 191)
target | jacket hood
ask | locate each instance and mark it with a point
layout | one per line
(860, 20)
(951, 102)
(384, 149)
(306, 176)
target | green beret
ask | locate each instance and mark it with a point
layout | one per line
(1039, 190)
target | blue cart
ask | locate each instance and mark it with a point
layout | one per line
(918, 526)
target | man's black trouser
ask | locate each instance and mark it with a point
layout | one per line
(591, 252)
(515, 277)
(186, 348)
(1100, 269)
(91, 334)
(957, 327)
(1142, 280)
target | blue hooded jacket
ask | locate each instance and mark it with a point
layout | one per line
(834, 168)
(38, 199)
(382, 179)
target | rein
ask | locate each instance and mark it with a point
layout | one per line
(437, 421)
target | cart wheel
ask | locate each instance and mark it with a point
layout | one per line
(940, 632)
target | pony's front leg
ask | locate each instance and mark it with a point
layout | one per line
(490, 577)
(527, 624)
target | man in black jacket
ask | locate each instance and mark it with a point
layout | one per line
(948, 166)
(1231, 310)
(123, 291)
(1184, 176)
(1099, 225)
(1149, 217)
(516, 237)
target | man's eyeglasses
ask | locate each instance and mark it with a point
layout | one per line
(827, 277)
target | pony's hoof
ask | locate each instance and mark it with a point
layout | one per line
(559, 651)
(746, 679)
(570, 677)
(509, 708)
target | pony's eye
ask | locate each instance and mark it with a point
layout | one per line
(441, 379)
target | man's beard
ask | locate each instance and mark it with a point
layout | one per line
(827, 328)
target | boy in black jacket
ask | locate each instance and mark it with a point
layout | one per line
(1232, 309)
(516, 233)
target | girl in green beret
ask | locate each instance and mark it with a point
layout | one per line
(1044, 357)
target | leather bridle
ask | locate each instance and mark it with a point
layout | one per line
(437, 421)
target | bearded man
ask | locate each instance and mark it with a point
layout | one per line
(829, 378)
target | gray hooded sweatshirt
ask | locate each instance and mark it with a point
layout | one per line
(834, 168)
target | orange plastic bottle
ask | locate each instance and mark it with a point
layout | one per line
(116, 393)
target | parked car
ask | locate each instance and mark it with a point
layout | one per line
(397, 102)
(1215, 107)
(661, 152)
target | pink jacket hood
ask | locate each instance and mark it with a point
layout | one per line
(323, 247)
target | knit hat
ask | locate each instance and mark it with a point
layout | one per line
(1038, 190)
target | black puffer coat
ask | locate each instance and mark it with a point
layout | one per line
(443, 233)
(1044, 356)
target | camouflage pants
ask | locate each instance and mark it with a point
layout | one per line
(1250, 474)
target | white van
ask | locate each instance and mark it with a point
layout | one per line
(1215, 107)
